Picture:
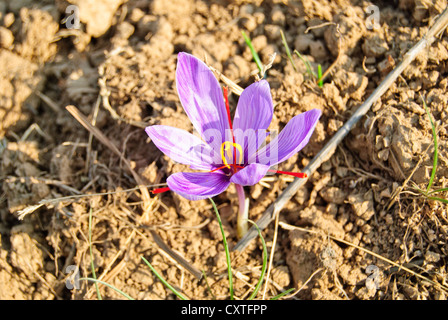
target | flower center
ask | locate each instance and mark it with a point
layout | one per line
(227, 146)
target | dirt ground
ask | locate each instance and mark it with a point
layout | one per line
(117, 67)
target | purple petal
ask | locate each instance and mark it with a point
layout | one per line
(294, 136)
(253, 116)
(250, 175)
(202, 99)
(198, 185)
(182, 146)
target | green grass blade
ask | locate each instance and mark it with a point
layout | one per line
(110, 286)
(226, 247)
(436, 154)
(307, 64)
(284, 293)
(208, 286)
(265, 262)
(254, 53)
(288, 52)
(319, 76)
(439, 199)
(92, 263)
(438, 190)
(177, 293)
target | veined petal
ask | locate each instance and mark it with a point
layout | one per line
(294, 136)
(198, 185)
(202, 99)
(253, 116)
(250, 175)
(182, 146)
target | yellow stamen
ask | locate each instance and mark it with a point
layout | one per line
(226, 146)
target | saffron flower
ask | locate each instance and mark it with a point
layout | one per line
(226, 151)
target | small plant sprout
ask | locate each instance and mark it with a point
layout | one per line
(320, 81)
(307, 63)
(288, 52)
(254, 54)
(428, 193)
(228, 151)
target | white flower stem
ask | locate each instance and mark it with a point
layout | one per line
(243, 212)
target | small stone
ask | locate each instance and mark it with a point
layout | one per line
(6, 38)
(333, 195)
(272, 31)
(8, 20)
(259, 42)
(281, 276)
(334, 125)
(374, 46)
(25, 255)
(432, 257)
(246, 9)
(302, 42)
(386, 65)
(125, 30)
(248, 23)
(345, 33)
(136, 15)
(362, 205)
(267, 52)
(318, 50)
(278, 16)
(351, 83)
(259, 17)
(97, 14)
(302, 195)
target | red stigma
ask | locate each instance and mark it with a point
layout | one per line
(160, 190)
(300, 175)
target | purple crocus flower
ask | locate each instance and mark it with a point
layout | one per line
(226, 152)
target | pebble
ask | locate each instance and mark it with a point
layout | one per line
(362, 205)
(6, 38)
(303, 41)
(272, 31)
(8, 20)
(278, 16)
(431, 256)
(333, 195)
(317, 50)
(248, 23)
(374, 46)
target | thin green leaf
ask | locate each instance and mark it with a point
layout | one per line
(265, 262)
(282, 294)
(438, 190)
(307, 64)
(254, 53)
(288, 52)
(92, 263)
(436, 154)
(110, 286)
(439, 199)
(320, 81)
(208, 286)
(177, 293)
(226, 248)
